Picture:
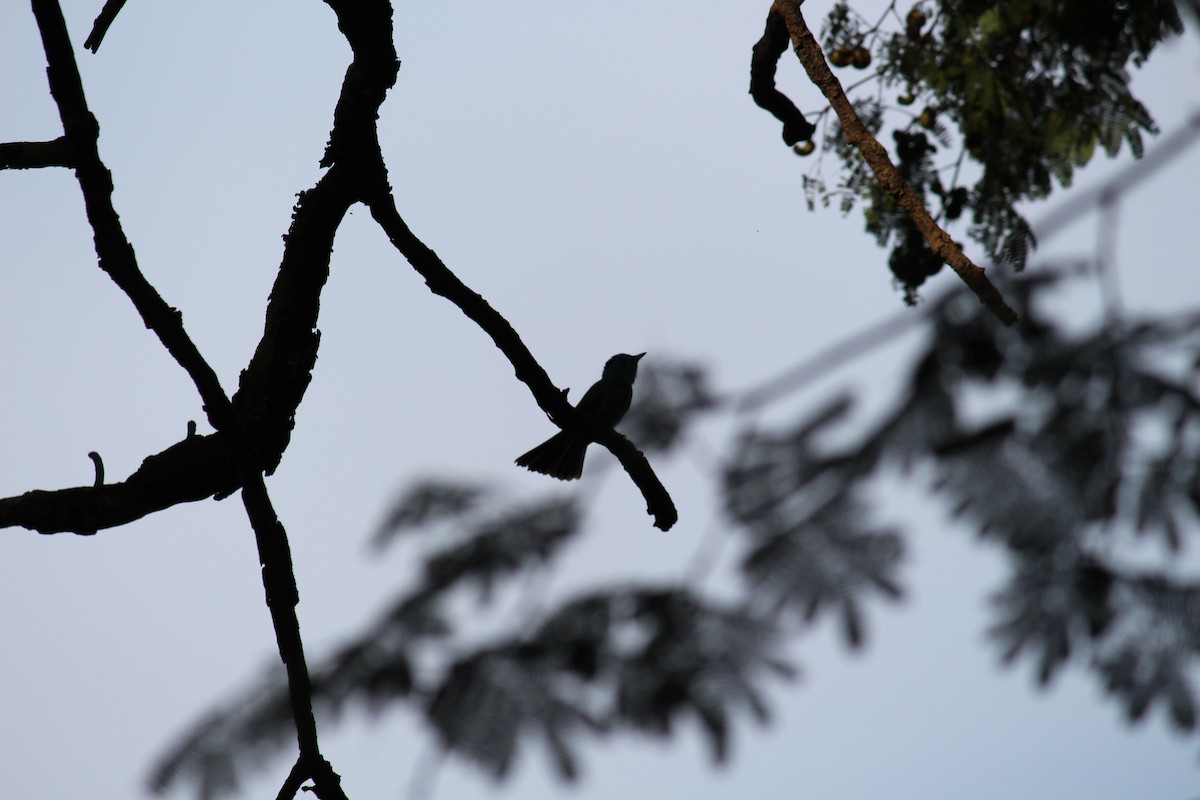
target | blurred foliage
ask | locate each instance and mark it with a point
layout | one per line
(1017, 95)
(426, 502)
(809, 543)
(668, 395)
(1094, 449)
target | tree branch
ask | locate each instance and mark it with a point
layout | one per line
(34, 155)
(115, 254)
(117, 259)
(810, 55)
(442, 281)
(274, 382)
(190, 470)
(763, 62)
(100, 27)
(354, 146)
(271, 389)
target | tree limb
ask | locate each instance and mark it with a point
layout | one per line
(763, 62)
(34, 155)
(116, 257)
(811, 56)
(442, 281)
(354, 146)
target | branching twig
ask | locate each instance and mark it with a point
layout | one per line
(274, 382)
(253, 429)
(116, 257)
(354, 146)
(811, 56)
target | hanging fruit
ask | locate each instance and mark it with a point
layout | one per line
(840, 57)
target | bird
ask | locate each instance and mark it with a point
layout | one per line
(561, 456)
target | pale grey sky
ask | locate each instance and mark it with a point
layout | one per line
(599, 173)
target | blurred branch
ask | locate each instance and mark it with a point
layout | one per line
(1123, 182)
(832, 357)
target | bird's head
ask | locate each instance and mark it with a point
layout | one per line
(622, 367)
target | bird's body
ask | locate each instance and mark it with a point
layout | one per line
(561, 456)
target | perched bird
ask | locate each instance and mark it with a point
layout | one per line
(561, 456)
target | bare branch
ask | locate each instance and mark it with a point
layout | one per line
(100, 27)
(116, 258)
(443, 282)
(34, 155)
(115, 254)
(354, 146)
(194, 469)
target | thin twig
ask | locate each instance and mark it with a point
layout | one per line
(100, 27)
(99, 465)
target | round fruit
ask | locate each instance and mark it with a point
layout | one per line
(928, 118)
(913, 22)
(861, 58)
(906, 99)
(804, 148)
(840, 57)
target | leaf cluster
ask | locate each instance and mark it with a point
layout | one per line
(634, 658)
(808, 542)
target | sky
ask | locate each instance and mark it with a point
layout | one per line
(599, 173)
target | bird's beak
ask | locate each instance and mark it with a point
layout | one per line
(639, 356)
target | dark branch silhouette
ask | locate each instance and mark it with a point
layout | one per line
(253, 428)
(103, 22)
(274, 382)
(763, 62)
(116, 257)
(34, 155)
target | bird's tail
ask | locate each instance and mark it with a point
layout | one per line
(560, 456)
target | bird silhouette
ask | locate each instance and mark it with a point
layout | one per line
(561, 456)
